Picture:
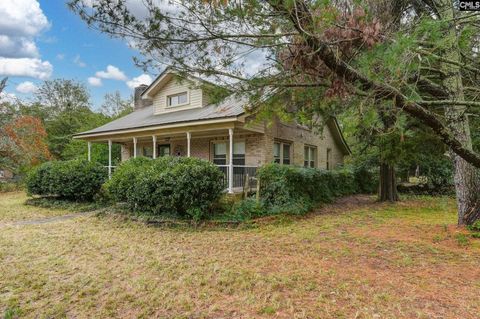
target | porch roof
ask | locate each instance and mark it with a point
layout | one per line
(231, 107)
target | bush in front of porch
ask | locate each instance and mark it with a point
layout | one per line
(179, 186)
(78, 180)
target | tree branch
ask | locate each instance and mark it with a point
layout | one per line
(303, 16)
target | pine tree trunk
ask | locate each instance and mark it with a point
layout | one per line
(388, 183)
(466, 177)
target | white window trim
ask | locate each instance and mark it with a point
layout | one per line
(315, 157)
(175, 94)
(281, 142)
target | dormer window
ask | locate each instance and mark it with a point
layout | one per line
(177, 99)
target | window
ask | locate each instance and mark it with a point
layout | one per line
(281, 153)
(177, 99)
(220, 153)
(238, 153)
(163, 150)
(309, 156)
(329, 151)
(147, 151)
(286, 154)
(276, 153)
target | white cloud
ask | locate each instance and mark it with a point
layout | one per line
(26, 87)
(112, 73)
(22, 18)
(60, 56)
(17, 47)
(141, 79)
(79, 62)
(93, 81)
(22, 21)
(8, 97)
(34, 68)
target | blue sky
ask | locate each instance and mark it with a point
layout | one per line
(55, 43)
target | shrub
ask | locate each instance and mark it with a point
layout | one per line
(475, 229)
(186, 187)
(247, 209)
(73, 180)
(366, 179)
(123, 179)
(297, 189)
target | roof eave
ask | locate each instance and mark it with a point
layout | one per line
(156, 126)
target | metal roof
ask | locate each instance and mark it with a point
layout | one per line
(232, 106)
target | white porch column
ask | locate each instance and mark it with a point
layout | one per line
(109, 159)
(230, 162)
(154, 138)
(89, 147)
(134, 147)
(189, 137)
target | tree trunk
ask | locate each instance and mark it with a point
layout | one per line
(388, 183)
(466, 177)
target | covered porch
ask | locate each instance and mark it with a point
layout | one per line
(236, 151)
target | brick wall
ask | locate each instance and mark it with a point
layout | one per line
(299, 137)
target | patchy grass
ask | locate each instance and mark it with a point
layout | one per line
(12, 208)
(355, 259)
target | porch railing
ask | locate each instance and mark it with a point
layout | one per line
(240, 173)
(110, 170)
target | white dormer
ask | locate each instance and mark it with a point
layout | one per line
(170, 93)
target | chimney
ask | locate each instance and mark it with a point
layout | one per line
(138, 102)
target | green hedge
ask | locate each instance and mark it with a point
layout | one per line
(185, 187)
(73, 180)
(292, 189)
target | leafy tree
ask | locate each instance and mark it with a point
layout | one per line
(23, 143)
(62, 95)
(3, 83)
(417, 55)
(115, 106)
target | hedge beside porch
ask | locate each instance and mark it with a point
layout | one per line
(293, 189)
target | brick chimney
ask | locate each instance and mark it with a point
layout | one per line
(138, 102)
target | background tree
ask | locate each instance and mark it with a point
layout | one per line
(3, 83)
(62, 95)
(23, 143)
(115, 106)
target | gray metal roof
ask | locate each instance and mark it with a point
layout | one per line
(232, 106)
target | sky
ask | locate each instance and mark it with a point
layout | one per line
(43, 40)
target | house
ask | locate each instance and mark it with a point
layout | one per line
(174, 116)
(6, 175)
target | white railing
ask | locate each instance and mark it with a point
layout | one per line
(240, 173)
(110, 169)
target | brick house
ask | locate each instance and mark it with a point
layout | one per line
(173, 116)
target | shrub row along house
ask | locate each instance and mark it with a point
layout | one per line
(174, 116)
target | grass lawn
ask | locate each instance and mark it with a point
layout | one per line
(12, 209)
(356, 259)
